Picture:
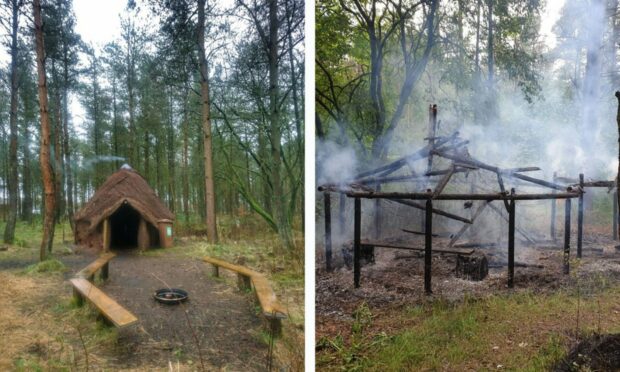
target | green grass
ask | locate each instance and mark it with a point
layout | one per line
(48, 266)
(523, 331)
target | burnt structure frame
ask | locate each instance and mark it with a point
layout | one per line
(445, 147)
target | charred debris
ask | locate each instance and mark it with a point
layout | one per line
(432, 184)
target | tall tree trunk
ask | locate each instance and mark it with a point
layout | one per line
(13, 179)
(275, 135)
(206, 127)
(47, 173)
(170, 155)
(618, 174)
(185, 164)
(27, 203)
(57, 145)
(66, 144)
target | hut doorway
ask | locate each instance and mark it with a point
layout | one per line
(124, 223)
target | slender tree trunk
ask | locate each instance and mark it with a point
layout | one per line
(47, 172)
(275, 137)
(13, 179)
(206, 127)
(66, 144)
(170, 154)
(26, 176)
(618, 174)
(185, 164)
(57, 146)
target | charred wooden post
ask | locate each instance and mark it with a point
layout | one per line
(328, 230)
(553, 212)
(428, 245)
(377, 220)
(511, 242)
(580, 218)
(357, 227)
(567, 210)
(614, 217)
(341, 210)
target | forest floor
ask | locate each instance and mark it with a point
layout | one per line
(389, 324)
(46, 331)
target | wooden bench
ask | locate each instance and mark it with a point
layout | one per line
(101, 263)
(273, 312)
(110, 309)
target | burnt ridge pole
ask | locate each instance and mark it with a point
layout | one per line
(328, 230)
(580, 218)
(357, 241)
(428, 246)
(511, 241)
(567, 208)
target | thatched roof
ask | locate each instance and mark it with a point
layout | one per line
(124, 186)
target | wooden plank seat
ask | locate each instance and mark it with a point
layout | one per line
(270, 307)
(101, 263)
(109, 308)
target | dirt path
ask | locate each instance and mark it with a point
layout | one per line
(217, 314)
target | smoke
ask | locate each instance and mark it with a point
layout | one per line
(336, 164)
(89, 163)
(568, 129)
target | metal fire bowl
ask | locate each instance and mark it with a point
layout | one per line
(170, 296)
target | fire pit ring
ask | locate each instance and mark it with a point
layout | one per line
(170, 296)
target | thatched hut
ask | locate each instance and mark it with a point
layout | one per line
(124, 212)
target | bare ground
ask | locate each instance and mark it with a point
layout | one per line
(38, 329)
(391, 283)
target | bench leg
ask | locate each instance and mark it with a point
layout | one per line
(215, 270)
(105, 271)
(243, 282)
(78, 297)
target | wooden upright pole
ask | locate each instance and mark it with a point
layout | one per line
(553, 212)
(328, 231)
(580, 218)
(357, 241)
(567, 209)
(106, 234)
(511, 242)
(428, 246)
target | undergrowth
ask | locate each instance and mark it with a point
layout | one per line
(524, 331)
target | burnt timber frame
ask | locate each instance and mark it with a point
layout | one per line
(511, 199)
(582, 184)
(449, 148)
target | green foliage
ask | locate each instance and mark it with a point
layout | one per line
(48, 266)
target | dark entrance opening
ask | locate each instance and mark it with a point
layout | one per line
(124, 224)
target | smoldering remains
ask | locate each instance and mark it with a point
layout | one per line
(439, 220)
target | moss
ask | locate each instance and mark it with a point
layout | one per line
(48, 266)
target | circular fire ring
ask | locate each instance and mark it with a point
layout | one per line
(170, 296)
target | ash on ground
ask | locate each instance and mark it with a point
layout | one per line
(396, 278)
